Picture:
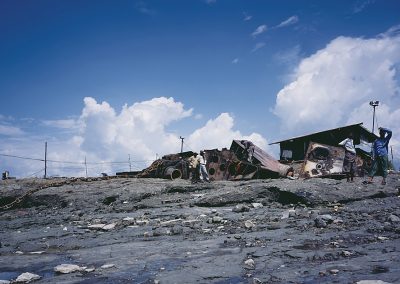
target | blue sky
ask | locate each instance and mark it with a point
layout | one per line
(210, 71)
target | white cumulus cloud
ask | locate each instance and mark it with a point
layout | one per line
(106, 138)
(138, 129)
(333, 87)
(219, 133)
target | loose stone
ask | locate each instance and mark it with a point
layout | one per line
(27, 277)
(67, 268)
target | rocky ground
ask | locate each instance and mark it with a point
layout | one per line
(160, 231)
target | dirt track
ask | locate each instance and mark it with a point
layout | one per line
(160, 231)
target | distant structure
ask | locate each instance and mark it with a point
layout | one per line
(243, 161)
(313, 155)
(6, 175)
(319, 153)
(294, 149)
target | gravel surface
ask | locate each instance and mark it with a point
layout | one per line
(122, 230)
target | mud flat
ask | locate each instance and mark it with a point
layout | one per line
(161, 231)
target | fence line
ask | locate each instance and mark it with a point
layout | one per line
(80, 166)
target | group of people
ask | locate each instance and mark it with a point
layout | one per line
(380, 156)
(197, 167)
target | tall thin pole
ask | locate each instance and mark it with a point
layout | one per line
(86, 166)
(373, 119)
(180, 137)
(130, 166)
(374, 104)
(45, 159)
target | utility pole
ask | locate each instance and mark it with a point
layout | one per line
(130, 166)
(180, 137)
(45, 159)
(86, 166)
(374, 104)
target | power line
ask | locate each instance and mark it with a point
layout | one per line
(35, 173)
(188, 146)
(81, 165)
(70, 162)
(97, 163)
(20, 157)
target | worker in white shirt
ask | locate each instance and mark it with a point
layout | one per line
(349, 162)
(203, 170)
(194, 167)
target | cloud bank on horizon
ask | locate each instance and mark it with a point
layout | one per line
(141, 130)
(333, 87)
(107, 137)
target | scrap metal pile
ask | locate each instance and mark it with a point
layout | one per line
(323, 160)
(243, 161)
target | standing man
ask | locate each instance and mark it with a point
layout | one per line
(349, 157)
(203, 170)
(194, 167)
(380, 151)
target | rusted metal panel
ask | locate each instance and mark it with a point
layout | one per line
(226, 165)
(322, 160)
(167, 168)
(268, 166)
(221, 164)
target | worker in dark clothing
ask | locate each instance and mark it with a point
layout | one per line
(380, 152)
